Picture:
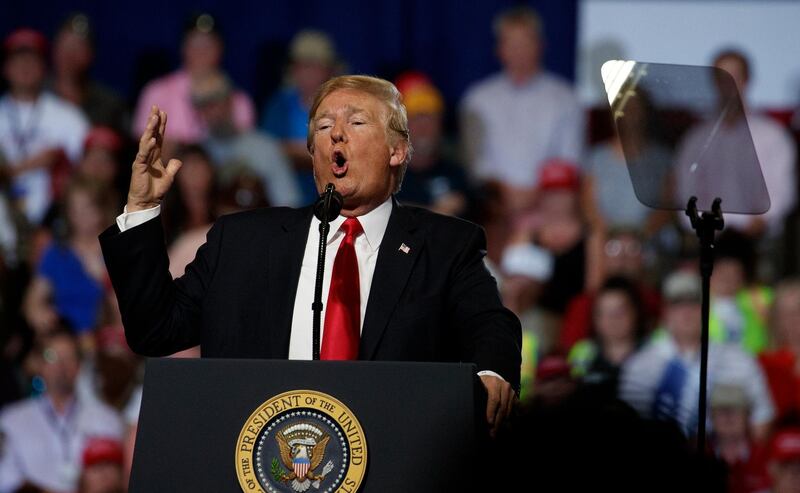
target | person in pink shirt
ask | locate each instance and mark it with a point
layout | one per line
(202, 53)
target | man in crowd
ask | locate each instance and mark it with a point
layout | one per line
(405, 284)
(515, 120)
(236, 151)
(39, 132)
(730, 148)
(431, 180)
(43, 437)
(661, 381)
(73, 54)
(102, 467)
(732, 442)
(202, 56)
(313, 60)
(784, 461)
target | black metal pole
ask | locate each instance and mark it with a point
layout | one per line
(705, 226)
(324, 227)
(705, 275)
(316, 306)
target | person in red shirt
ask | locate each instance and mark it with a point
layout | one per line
(784, 461)
(732, 442)
(782, 366)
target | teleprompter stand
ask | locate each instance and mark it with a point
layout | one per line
(705, 224)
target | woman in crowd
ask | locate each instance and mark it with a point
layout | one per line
(618, 329)
(189, 208)
(70, 278)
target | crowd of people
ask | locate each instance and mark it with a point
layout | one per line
(607, 290)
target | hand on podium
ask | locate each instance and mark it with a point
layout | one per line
(499, 403)
(150, 178)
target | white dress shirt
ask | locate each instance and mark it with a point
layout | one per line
(727, 364)
(374, 224)
(29, 128)
(367, 245)
(513, 129)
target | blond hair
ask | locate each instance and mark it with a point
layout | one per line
(396, 123)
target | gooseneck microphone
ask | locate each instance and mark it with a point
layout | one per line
(326, 209)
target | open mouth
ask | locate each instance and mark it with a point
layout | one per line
(339, 166)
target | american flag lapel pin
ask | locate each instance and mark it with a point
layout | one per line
(404, 248)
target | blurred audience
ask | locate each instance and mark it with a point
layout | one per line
(44, 436)
(40, 133)
(312, 61)
(513, 121)
(775, 151)
(576, 255)
(622, 182)
(236, 151)
(101, 160)
(202, 56)
(71, 277)
(784, 461)
(431, 180)
(661, 381)
(73, 54)
(618, 330)
(622, 256)
(739, 306)
(189, 207)
(731, 440)
(102, 467)
(782, 364)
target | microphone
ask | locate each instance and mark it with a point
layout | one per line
(331, 201)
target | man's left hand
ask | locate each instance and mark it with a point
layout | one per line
(501, 400)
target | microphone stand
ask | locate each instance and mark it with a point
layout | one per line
(323, 211)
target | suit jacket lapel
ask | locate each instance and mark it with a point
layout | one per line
(398, 252)
(285, 259)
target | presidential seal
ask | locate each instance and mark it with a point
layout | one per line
(301, 441)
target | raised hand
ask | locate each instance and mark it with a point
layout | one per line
(150, 178)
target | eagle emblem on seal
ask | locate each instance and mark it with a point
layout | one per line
(302, 450)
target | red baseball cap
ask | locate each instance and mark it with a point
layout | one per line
(419, 94)
(104, 138)
(786, 445)
(99, 449)
(552, 367)
(559, 174)
(26, 39)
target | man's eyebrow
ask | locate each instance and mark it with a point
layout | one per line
(349, 110)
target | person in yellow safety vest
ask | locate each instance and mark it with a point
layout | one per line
(739, 306)
(530, 360)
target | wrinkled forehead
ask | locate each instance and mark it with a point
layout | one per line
(347, 102)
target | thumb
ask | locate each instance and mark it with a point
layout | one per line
(173, 166)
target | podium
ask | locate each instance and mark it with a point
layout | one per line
(225, 425)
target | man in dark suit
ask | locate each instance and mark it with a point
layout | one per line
(405, 284)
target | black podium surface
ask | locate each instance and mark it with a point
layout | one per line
(419, 420)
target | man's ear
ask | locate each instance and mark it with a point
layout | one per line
(398, 152)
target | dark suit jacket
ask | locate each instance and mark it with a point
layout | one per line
(435, 303)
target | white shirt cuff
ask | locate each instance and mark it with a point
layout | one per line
(490, 373)
(128, 220)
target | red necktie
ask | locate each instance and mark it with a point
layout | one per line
(343, 312)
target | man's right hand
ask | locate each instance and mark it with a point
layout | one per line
(150, 179)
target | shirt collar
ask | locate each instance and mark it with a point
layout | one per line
(373, 222)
